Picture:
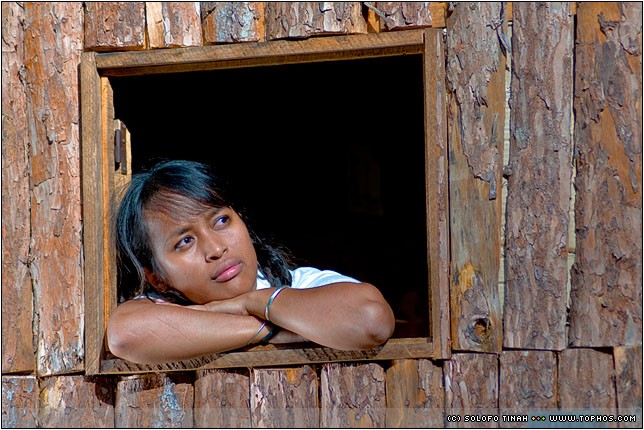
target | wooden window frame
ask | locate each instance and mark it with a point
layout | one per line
(98, 181)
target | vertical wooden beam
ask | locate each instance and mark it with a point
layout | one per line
(437, 198)
(230, 22)
(415, 394)
(114, 26)
(75, 401)
(19, 401)
(538, 203)
(173, 24)
(155, 400)
(476, 84)
(352, 395)
(93, 204)
(527, 384)
(472, 388)
(586, 381)
(400, 15)
(222, 399)
(305, 19)
(17, 294)
(53, 47)
(286, 398)
(606, 290)
(628, 380)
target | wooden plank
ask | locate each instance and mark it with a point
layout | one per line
(606, 290)
(405, 15)
(76, 401)
(173, 24)
(352, 395)
(304, 19)
(51, 73)
(437, 194)
(280, 355)
(231, 22)
(586, 381)
(540, 172)
(155, 400)
(19, 399)
(114, 26)
(17, 294)
(628, 380)
(258, 54)
(415, 394)
(284, 398)
(93, 230)
(471, 388)
(476, 83)
(222, 399)
(527, 384)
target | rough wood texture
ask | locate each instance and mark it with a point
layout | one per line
(114, 26)
(173, 24)
(586, 381)
(287, 354)
(476, 84)
(305, 19)
(76, 402)
(606, 296)
(399, 15)
(19, 400)
(628, 380)
(260, 54)
(538, 202)
(415, 395)
(471, 387)
(527, 383)
(284, 398)
(155, 400)
(353, 395)
(95, 270)
(53, 44)
(227, 22)
(17, 295)
(437, 197)
(222, 399)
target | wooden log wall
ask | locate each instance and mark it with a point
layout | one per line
(536, 347)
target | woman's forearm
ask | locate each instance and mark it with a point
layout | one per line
(343, 315)
(144, 332)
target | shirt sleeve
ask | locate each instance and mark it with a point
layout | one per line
(310, 277)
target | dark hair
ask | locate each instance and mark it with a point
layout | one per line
(158, 188)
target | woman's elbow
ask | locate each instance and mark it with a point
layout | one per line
(379, 323)
(121, 340)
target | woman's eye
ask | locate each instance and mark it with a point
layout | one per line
(222, 220)
(183, 242)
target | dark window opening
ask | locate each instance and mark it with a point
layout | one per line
(327, 158)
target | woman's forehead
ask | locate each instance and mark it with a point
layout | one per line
(176, 206)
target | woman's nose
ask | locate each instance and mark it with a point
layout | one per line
(213, 247)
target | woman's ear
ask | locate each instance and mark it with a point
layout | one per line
(154, 280)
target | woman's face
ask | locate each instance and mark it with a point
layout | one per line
(206, 255)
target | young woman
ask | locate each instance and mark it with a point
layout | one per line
(209, 284)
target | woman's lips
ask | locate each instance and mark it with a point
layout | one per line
(229, 272)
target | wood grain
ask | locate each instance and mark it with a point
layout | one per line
(53, 47)
(19, 401)
(231, 22)
(352, 395)
(222, 399)
(173, 24)
(17, 294)
(606, 295)
(540, 173)
(476, 84)
(114, 26)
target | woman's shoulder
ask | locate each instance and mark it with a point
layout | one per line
(311, 277)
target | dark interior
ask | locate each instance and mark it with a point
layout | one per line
(326, 159)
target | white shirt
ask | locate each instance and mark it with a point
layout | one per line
(307, 277)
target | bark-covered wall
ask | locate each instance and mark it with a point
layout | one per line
(535, 346)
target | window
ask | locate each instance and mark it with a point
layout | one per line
(345, 123)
